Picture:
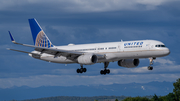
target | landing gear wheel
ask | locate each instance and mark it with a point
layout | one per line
(150, 68)
(81, 70)
(102, 72)
(78, 70)
(105, 71)
(84, 70)
(108, 71)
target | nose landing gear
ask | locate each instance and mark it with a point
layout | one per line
(151, 63)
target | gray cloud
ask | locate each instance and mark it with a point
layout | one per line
(81, 5)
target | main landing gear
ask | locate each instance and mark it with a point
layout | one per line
(151, 63)
(105, 71)
(81, 70)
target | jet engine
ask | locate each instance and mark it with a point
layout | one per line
(129, 63)
(87, 59)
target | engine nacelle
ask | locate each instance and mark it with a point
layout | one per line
(129, 63)
(87, 59)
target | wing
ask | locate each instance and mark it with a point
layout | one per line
(72, 55)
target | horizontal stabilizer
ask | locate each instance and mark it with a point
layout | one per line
(22, 51)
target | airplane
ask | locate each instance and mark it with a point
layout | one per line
(126, 53)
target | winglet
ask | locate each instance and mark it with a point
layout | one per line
(12, 39)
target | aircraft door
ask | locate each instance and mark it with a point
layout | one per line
(148, 46)
(120, 47)
(97, 51)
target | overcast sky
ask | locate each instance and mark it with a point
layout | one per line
(87, 21)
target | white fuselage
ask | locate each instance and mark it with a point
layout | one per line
(113, 51)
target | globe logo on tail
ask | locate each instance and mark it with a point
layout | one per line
(42, 40)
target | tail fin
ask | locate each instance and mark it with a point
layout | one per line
(39, 37)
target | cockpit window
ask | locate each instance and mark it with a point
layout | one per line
(160, 46)
(163, 46)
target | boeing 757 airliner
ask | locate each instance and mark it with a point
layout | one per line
(126, 53)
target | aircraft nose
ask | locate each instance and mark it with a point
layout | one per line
(167, 51)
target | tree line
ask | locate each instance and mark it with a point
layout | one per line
(174, 96)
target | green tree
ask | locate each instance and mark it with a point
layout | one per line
(116, 100)
(128, 99)
(170, 97)
(176, 89)
(136, 99)
(164, 98)
(155, 98)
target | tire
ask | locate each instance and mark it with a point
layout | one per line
(150, 68)
(105, 71)
(108, 71)
(84, 69)
(81, 71)
(102, 72)
(78, 70)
